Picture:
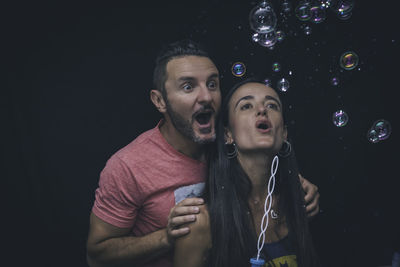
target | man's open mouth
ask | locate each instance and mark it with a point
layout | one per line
(203, 117)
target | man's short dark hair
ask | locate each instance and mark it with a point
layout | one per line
(173, 50)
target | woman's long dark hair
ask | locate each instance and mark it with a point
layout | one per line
(234, 239)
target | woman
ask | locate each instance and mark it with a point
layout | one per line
(238, 222)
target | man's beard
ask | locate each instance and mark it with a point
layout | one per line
(185, 128)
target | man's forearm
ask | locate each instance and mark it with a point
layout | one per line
(128, 250)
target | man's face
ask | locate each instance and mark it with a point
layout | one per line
(193, 97)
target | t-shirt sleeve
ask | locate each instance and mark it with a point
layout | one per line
(117, 199)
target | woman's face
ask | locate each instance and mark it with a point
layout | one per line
(255, 119)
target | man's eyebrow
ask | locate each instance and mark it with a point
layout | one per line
(243, 98)
(186, 78)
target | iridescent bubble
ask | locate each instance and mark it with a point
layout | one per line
(349, 60)
(340, 118)
(238, 69)
(302, 11)
(262, 18)
(344, 16)
(335, 81)
(383, 129)
(286, 6)
(325, 4)
(267, 39)
(255, 37)
(307, 30)
(372, 136)
(283, 85)
(343, 6)
(276, 67)
(268, 82)
(318, 14)
(280, 36)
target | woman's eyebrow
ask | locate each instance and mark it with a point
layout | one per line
(243, 98)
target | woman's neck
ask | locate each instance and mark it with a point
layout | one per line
(257, 166)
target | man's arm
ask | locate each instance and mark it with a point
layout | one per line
(311, 198)
(108, 245)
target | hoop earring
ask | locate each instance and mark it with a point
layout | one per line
(231, 150)
(286, 149)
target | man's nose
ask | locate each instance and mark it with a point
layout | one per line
(204, 95)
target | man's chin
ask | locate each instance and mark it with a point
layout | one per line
(205, 138)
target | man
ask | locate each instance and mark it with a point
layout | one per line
(146, 189)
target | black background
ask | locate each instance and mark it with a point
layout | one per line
(78, 77)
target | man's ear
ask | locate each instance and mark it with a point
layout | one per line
(228, 136)
(158, 100)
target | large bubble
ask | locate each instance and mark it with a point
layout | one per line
(238, 69)
(348, 60)
(340, 118)
(262, 18)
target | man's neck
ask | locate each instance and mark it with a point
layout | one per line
(182, 143)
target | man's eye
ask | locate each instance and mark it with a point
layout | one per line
(187, 87)
(246, 106)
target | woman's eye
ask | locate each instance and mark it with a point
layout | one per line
(212, 85)
(272, 105)
(246, 106)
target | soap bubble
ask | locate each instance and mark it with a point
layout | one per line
(268, 82)
(325, 4)
(383, 129)
(286, 6)
(262, 18)
(307, 30)
(349, 60)
(267, 39)
(372, 136)
(302, 11)
(238, 69)
(283, 85)
(343, 7)
(340, 118)
(255, 37)
(335, 81)
(276, 67)
(280, 35)
(318, 14)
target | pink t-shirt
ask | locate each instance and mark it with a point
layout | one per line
(142, 182)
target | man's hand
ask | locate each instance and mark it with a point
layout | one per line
(182, 213)
(311, 198)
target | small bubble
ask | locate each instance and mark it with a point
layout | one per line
(276, 67)
(268, 82)
(267, 39)
(372, 136)
(318, 14)
(255, 37)
(238, 69)
(383, 129)
(280, 36)
(283, 85)
(340, 118)
(307, 30)
(349, 60)
(302, 11)
(335, 81)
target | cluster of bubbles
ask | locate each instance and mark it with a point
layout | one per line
(316, 11)
(263, 22)
(380, 130)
